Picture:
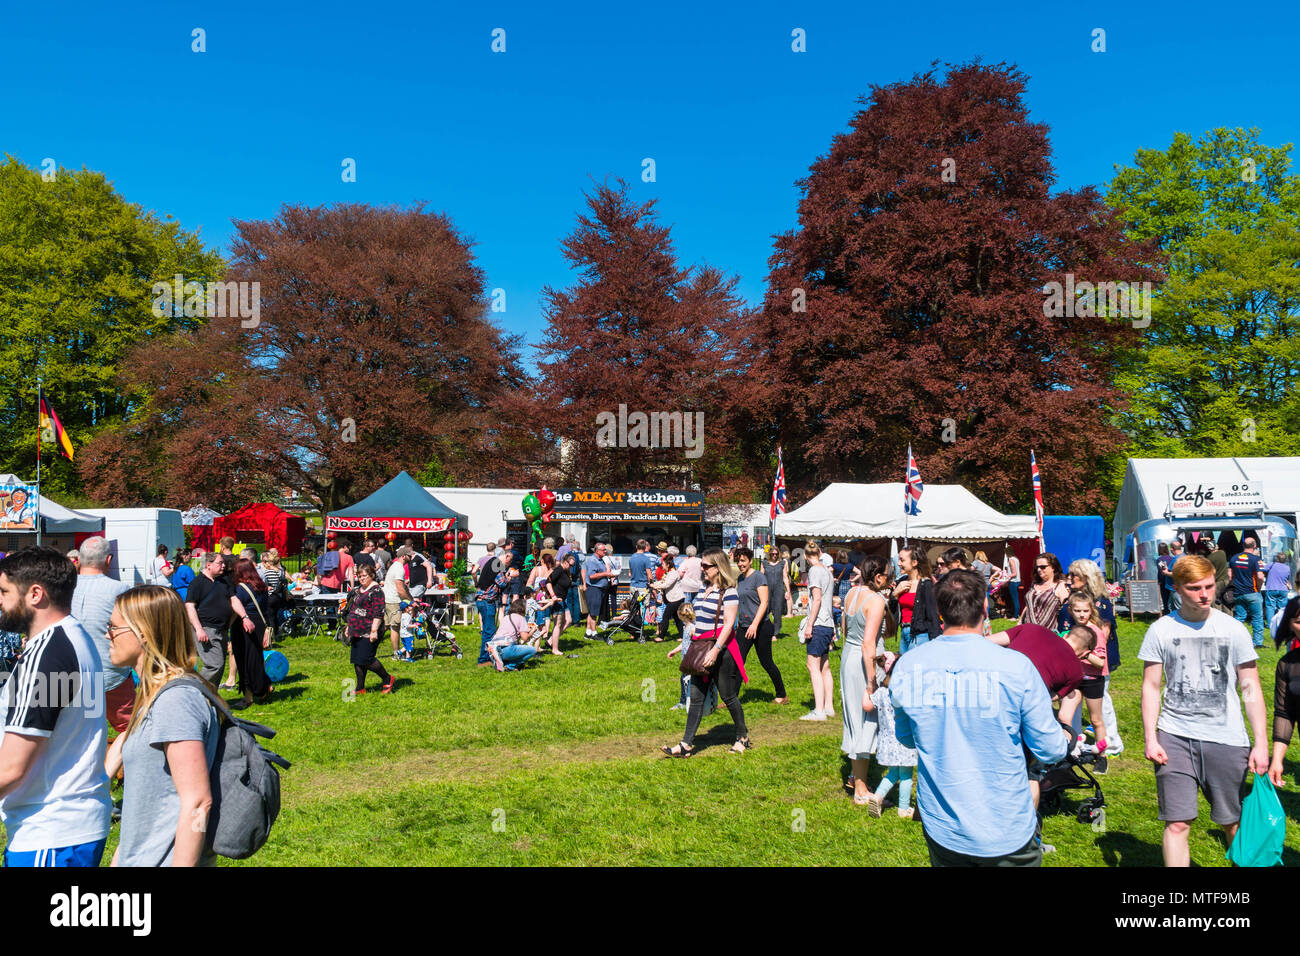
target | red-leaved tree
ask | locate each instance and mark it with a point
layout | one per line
(373, 352)
(908, 304)
(640, 331)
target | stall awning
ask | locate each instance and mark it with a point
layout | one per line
(948, 513)
(400, 506)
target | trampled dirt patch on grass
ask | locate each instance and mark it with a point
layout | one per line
(306, 784)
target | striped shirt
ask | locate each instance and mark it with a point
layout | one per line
(707, 606)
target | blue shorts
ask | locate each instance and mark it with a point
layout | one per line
(83, 854)
(820, 644)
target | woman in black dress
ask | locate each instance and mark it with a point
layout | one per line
(248, 634)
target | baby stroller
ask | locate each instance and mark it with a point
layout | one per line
(630, 618)
(1072, 773)
(423, 621)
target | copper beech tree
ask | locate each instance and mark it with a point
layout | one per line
(908, 304)
(639, 331)
(373, 352)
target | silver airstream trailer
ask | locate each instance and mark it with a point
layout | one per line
(1276, 536)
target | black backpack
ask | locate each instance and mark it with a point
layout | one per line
(244, 782)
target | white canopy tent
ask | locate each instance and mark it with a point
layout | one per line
(1147, 482)
(948, 513)
(199, 515)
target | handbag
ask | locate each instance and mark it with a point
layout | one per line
(693, 660)
(268, 632)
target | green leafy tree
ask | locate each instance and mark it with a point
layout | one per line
(1210, 377)
(77, 268)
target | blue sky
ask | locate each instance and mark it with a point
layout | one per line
(507, 143)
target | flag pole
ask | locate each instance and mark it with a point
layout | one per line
(38, 460)
(907, 510)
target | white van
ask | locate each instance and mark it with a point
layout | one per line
(134, 535)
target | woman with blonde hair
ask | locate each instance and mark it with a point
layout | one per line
(169, 745)
(715, 610)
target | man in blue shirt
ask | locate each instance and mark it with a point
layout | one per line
(596, 575)
(641, 574)
(641, 566)
(1247, 601)
(969, 708)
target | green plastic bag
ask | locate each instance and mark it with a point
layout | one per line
(1263, 827)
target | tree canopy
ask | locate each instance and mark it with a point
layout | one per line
(1211, 375)
(908, 305)
(373, 352)
(77, 268)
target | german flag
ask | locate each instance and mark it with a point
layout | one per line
(53, 431)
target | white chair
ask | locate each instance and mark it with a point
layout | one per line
(463, 615)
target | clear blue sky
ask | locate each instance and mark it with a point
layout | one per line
(507, 143)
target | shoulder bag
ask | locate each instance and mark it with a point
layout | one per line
(268, 632)
(693, 660)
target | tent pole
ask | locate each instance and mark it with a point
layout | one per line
(38, 461)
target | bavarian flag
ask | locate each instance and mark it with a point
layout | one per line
(52, 431)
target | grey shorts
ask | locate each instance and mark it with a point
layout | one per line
(1219, 770)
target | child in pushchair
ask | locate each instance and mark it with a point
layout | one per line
(629, 618)
(1072, 773)
(421, 620)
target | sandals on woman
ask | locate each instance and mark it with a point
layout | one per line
(741, 745)
(678, 750)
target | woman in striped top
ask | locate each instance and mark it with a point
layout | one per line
(715, 620)
(273, 574)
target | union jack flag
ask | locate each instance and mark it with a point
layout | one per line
(778, 487)
(1038, 495)
(913, 487)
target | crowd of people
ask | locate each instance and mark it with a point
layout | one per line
(983, 715)
(979, 716)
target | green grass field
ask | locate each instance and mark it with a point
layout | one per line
(558, 764)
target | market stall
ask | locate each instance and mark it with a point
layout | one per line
(198, 522)
(400, 508)
(265, 524)
(20, 516)
(949, 514)
(1172, 487)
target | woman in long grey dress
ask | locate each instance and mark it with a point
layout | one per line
(778, 588)
(866, 616)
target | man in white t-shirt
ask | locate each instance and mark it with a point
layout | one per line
(818, 634)
(1199, 739)
(395, 592)
(54, 797)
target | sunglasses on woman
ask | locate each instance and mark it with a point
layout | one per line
(703, 565)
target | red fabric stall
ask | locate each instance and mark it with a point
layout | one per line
(280, 529)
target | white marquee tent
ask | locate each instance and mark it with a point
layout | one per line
(1147, 481)
(948, 513)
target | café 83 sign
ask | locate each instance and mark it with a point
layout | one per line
(1215, 498)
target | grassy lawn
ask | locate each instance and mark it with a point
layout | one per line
(558, 764)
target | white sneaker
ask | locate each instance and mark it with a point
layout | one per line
(829, 712)
(813, 715)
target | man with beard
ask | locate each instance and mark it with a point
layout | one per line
(54, 797)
